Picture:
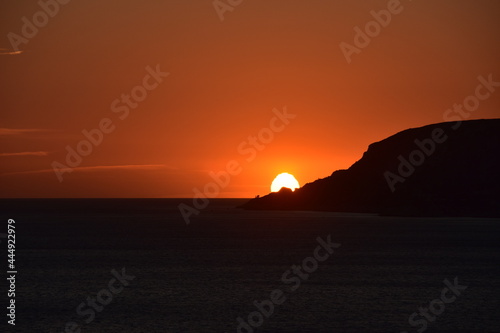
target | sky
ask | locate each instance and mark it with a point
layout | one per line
(150, 98)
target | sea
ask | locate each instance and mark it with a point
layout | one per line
(135, 265)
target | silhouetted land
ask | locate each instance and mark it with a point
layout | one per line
(446, 169)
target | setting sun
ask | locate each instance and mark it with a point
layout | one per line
(284, 180)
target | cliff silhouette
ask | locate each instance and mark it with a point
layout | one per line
(446, 169)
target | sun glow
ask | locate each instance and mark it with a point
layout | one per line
(284, 180)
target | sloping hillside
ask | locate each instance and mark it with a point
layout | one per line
(446, 169)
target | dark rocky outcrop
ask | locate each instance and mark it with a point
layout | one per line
(455, 172)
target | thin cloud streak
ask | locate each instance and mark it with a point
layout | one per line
(20, 131)
(26, 153)
(99, 168)
(8, 52)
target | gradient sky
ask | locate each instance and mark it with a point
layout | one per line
(225, 78)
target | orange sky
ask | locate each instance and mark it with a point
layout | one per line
(225, 79)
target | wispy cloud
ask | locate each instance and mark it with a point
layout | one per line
(129, 167)
(9, 52)
(26, 153)
(123, 167)
(20, 131)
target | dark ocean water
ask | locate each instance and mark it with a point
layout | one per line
(201, 277)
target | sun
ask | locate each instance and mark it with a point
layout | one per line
(284, 180)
